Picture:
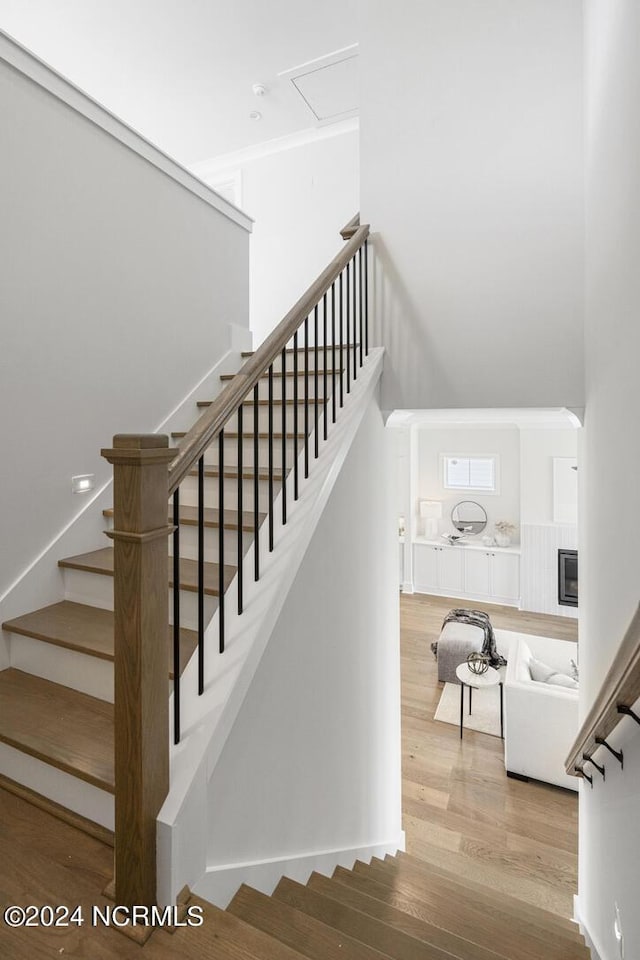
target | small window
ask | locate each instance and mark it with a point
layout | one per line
(470, 473)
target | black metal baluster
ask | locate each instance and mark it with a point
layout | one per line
(221, 538)
(201, 575)
(341, 344)
(333, 351)
(355, 326)
(240, 508)
(271, 458)
(366, 298)
(324, 372)
(348, 331)
(284, 435)
(256, 491)
(306, 397)
(176, 615)
(295, 415)
(360, 303)
(316, 438)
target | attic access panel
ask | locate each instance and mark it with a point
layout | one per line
(328, 85)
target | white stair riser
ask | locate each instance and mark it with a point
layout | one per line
(80, 671)
(263, 418)
(189, 493)
(231, 452)
(97, 591)
(263, 386)
(69, 791)
(189, 544)
(277, 366)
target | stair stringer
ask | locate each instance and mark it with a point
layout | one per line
(208, 720)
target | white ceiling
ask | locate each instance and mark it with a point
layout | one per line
(181, 71)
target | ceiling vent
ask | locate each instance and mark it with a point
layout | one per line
(328, 86)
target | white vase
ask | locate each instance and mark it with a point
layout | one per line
(503, 539)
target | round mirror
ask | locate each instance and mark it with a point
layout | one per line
(469, 517)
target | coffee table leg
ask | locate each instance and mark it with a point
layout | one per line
(470, 692)
(461, 707)
(501, 715)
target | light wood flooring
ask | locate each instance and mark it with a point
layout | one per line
(461, 812)
(461, 815)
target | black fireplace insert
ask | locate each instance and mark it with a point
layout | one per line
(568, 578)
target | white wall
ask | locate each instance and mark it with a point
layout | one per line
(300, 198)
(504, 442)
(117, 288)
(471, 177)
(610, 827)
(538, 448)
(313, 760)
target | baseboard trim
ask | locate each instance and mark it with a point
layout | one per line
(220, 883)
(596, 951)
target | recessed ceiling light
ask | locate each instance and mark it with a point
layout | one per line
(259, 89)
(255, 115)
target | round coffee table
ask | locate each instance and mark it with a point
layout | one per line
(478, 680)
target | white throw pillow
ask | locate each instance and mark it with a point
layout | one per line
(543, 673)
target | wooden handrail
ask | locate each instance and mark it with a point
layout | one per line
(350, 228)
(621, 686)
(205, 430)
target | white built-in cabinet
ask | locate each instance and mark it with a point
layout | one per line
(467, 571)
(438, 568)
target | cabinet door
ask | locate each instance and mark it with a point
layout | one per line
(505, 576)
(425, 569)
(476, 573)
(450, 577)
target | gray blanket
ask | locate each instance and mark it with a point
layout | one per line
(476, 618)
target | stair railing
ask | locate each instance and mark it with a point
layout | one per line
(619, 692)
(330, 321)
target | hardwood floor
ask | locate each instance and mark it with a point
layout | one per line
(461, 814)
(460, 810)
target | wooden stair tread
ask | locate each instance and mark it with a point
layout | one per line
(189, 517)
(408, 923)
(487, 895)
(276, 402)
(517, 941)
(290, 373)
(231, 474)
(247, 435)
(501, 868)
(250, 353)
(368, 930)
(298, 930)
(394, 873)
(244, 940)
(87, 630)
(101, 562)
(62, 727)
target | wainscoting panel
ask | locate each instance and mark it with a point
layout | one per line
(539, 566)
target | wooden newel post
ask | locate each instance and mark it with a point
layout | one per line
(141, 674)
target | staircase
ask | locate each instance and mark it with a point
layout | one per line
(56, 703)
(399, 908)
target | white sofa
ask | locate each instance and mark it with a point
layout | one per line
(541, 720)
